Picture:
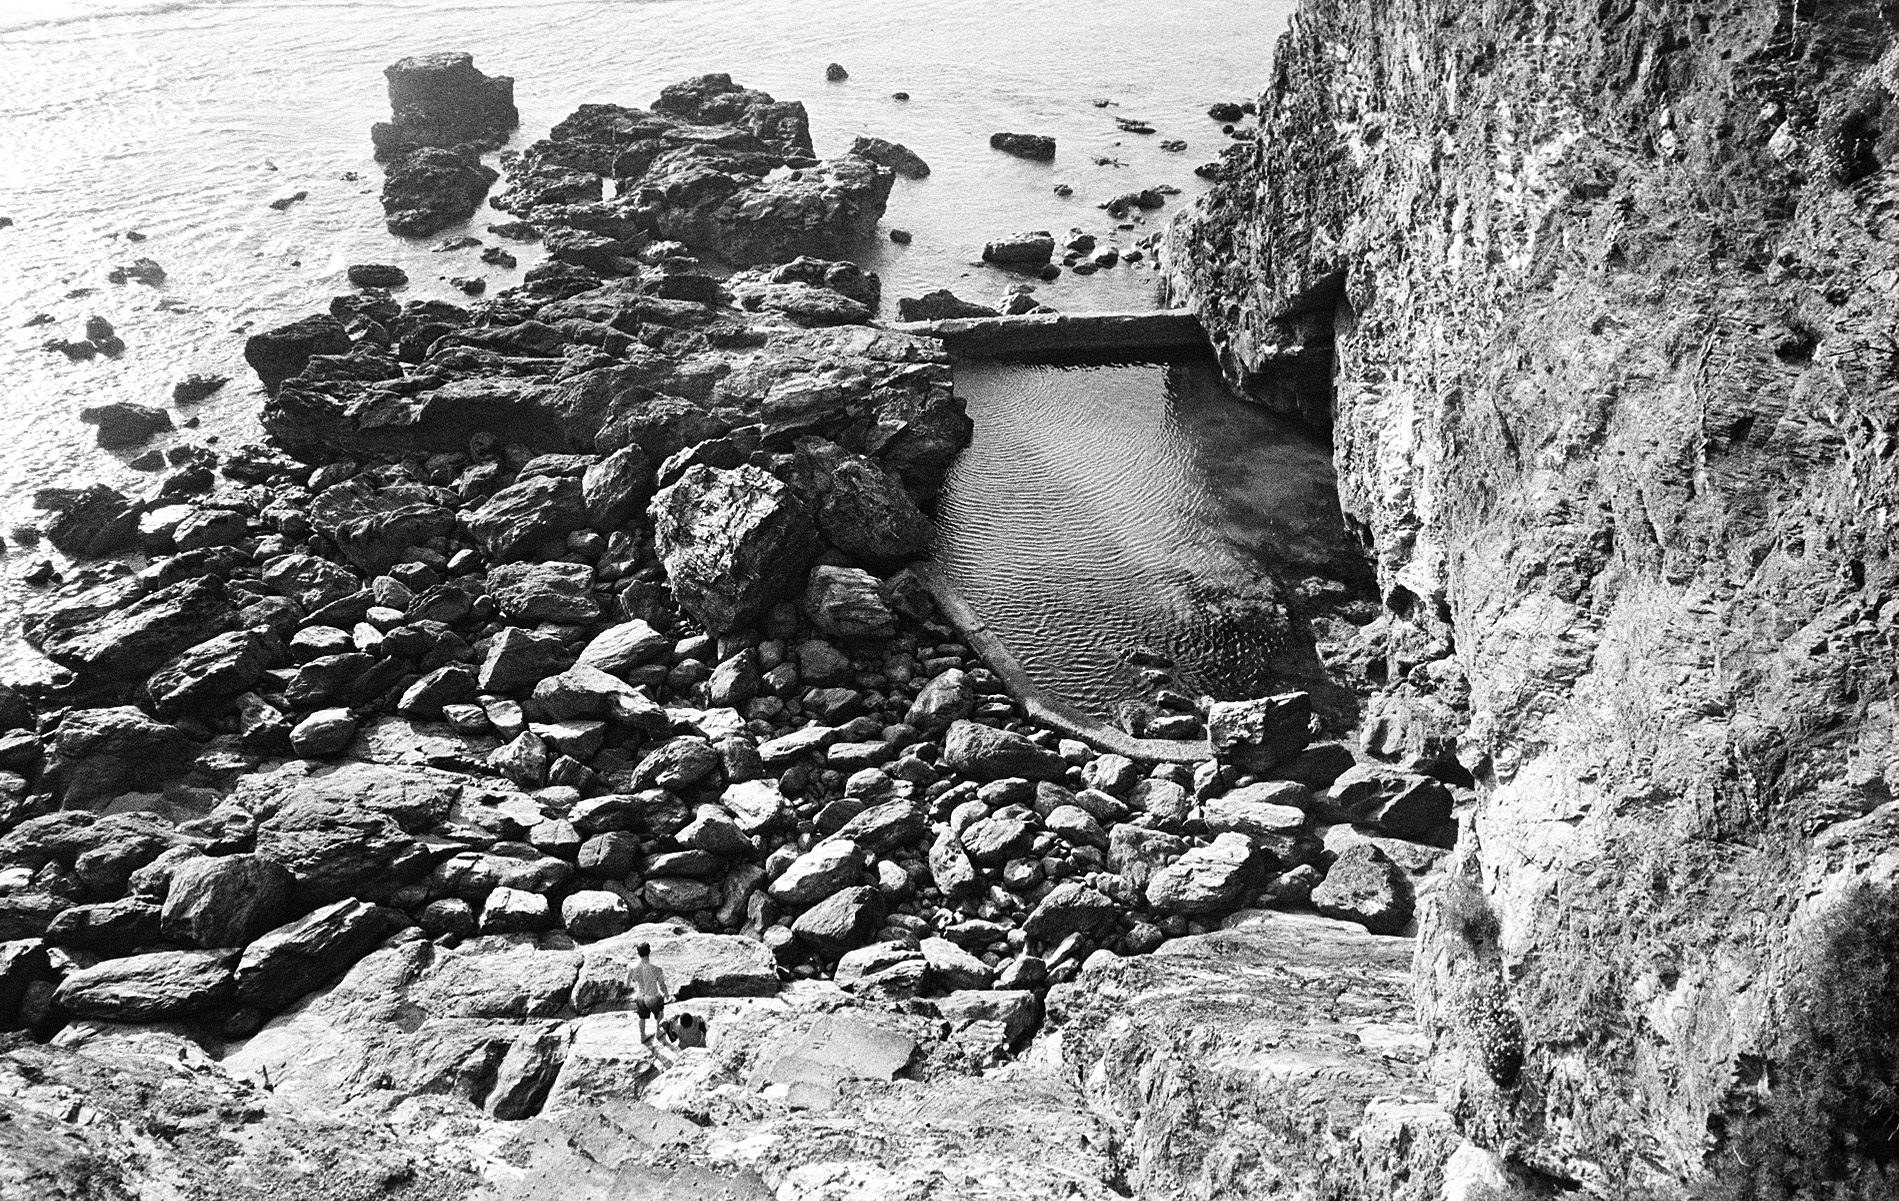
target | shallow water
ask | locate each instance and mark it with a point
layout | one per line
(1107, 509)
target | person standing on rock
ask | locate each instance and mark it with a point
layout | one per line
(649, 992)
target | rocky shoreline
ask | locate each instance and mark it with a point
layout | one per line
(579, 617)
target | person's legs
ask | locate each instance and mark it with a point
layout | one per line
(644, 1010)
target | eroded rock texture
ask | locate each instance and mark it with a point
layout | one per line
(1611, 294)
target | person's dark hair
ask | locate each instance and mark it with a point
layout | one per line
(646, 948)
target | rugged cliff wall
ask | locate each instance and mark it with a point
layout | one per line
(1612, 288)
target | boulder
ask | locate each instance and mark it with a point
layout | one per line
(324, 733)
(88, 522)
(591, 915)
(155, 987)
(304, 955)
(516, 522)
(884, 828)
(1402, 804)
(1205, 880)
(940, 305)
(282, 353)
(1017, 1010)
(335, 848)
(846, 603)
(861, 508)
(518, 659)
(125, 641)
(679, 894)
(537, 592)
(1025, 145)
(1273, 807)
(616, 490)
(993, 841)
(946, 699)
(1366, 887)
(443, 100)
(1032, 249)
(894, 155)
(841, 921)
(1071, 907)
(825, 869)
(620, 648)
(514, 911)
(99, 753)
(953, 967)
(986, 753)
(755, 805)
(428, 190)
(1257, 735)
(123, 423)
(109, 928)
(217, 668)
(733, 542)
(224, 900)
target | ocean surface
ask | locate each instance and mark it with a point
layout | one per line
(182, 121)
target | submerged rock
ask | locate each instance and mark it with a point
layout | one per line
(939, 305)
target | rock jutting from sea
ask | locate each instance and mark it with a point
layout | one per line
(579, 617)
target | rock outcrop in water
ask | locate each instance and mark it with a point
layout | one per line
(724, 169)
(1614, 413)
(445, 114)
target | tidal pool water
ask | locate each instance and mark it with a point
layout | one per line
(1107, 513)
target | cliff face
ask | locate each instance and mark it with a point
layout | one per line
(1611, 289)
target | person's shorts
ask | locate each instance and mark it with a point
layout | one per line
(651, 1009)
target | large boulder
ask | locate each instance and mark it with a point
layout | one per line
(518, 659)
(818, 873)
(278, 354)
(1273, 807)
(88, 522)
(1071, 907)
(1205, 880)
(155, 987)
(217, 668)
(427, 190)
(517, 521)
(335, 848)
(1363, 885)
(1032, 249)
(1257, 735)
(224, 900)
(306, 954)
(986, 753)
(862, 509)
(947, 698)
(848, 604)
(99, 753)
(537, 592)
(1402, 804)
(845, 919)
(443, 100)
(110, 635)
(733, 542)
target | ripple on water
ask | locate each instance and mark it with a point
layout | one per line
(1103, 509)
